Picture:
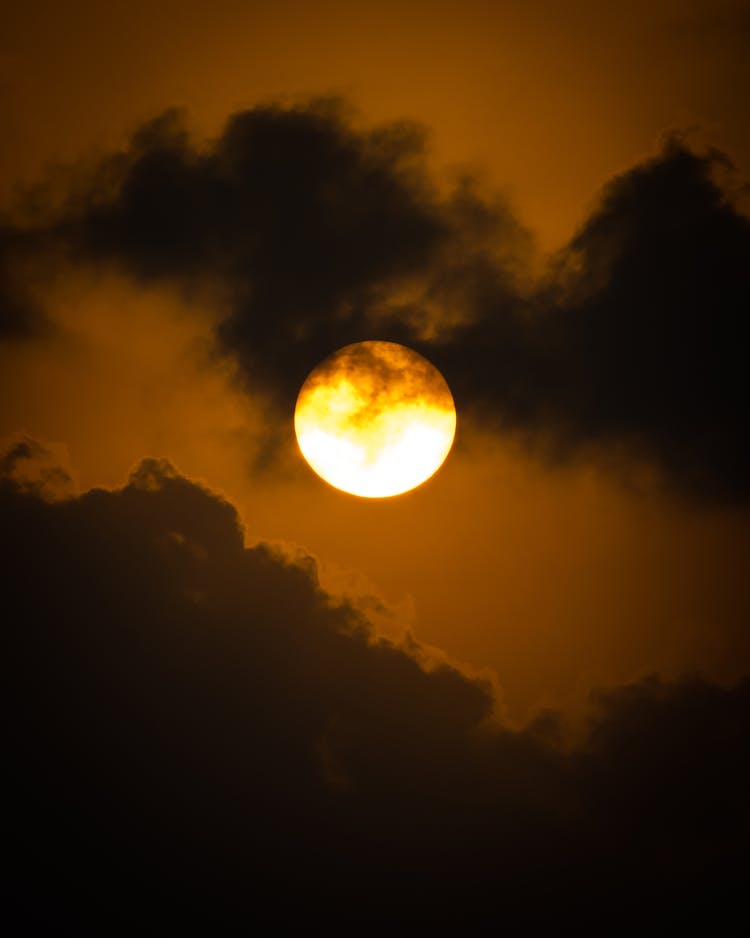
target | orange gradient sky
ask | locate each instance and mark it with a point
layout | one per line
(555, 579)
(549, 98)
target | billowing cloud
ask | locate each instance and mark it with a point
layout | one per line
(31, 467)
(19, 315)
(314, 233)
(301, 218)
(635, 342)
(200, 735)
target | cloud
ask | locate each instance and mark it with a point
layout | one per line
(314, 233)
(635, 341)
(19, 315)
(310, 224)
(29, 466)
(301, 217)
(199, 734)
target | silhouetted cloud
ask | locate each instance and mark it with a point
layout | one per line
(636, 341)
(29, 466)
(314, 234)
(302, 218)
(307, 224)
(199, 735)
(19, 315)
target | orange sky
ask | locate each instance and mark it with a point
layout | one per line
(549, 98)
(558, 580)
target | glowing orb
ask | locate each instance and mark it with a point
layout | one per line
(375, 419)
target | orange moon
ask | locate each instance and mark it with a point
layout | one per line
(375, 419)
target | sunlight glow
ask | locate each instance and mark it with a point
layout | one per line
(375, 419)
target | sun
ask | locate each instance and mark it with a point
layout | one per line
(375, 419)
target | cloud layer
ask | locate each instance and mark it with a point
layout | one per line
(314, 233)
(198, 734)
(636, 339)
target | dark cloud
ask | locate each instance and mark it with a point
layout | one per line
(636, 341)
(199, 736)
(303, 219)
(31, 467)
(19, 315)
(306, 225)
(314, 233)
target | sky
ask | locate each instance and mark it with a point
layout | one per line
(233, 684)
